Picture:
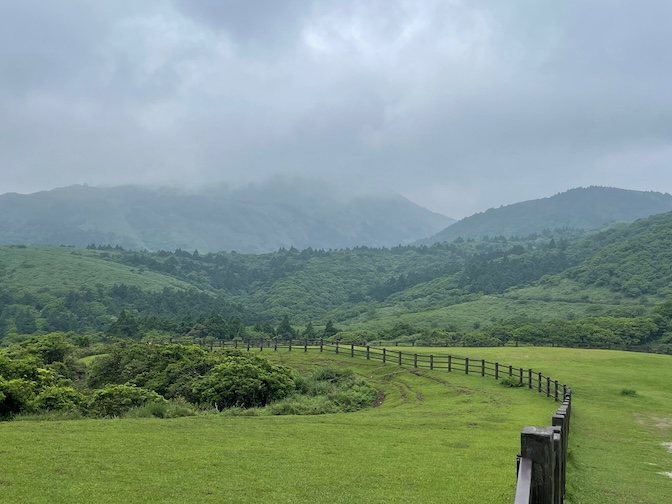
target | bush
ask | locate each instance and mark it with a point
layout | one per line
(58, 398)
(16, 396)
(243, 381)
(115, 400)
(628, 392)
(510, 381)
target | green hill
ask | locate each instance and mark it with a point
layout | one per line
(257, 218)
(583, 208)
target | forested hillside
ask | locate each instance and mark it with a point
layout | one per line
(589, 208)
(449, 291)
(258, 218)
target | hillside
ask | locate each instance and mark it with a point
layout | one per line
(583, 208)
(258, 218)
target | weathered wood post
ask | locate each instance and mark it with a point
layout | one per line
(305, 346)
(521, 376)
(450, 363)
(482, 367)
(415, 360)
(368, 352)
(352, 349)
(321, 344)
(548, 386)
(431, 362)
(510, 370)
(496, 370)
(466, 365)
(537, 445)
(384, 355)
(539, 389)
(556, 390)
(400, 357)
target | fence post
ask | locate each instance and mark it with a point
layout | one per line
(496, 370)
(384, 355)
(548, 386)
(510, 370)
(529, 378)
(450, 363)
(368, 352)
(431, 362)
(415, 360)
(352, 349)
(559, 422)
(521, 376)
(558, 485)
(400, 357)
(482, 367)
(539, 383)
(321, 344)
(290, 344)
(556, 390)
(261, 345)
(337, 347)
(466, 365)
(305, 346)
(537, 444)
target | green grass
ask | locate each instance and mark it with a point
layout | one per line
(437, 437)
(429, 439)
(59, 269)
(616, 439)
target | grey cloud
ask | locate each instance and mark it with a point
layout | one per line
(460, 105)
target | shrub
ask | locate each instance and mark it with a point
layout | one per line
(58, 398)
(115, 400)
(16, 396)
(628, 392)
(243, 381)
(510, 381)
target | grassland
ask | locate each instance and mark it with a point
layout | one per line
(437, 437)
(59, 269)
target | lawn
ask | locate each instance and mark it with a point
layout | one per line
(437, 437)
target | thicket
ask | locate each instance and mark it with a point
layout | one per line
(44, 376)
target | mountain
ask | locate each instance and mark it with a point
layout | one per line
(255, 218)
(583, 208)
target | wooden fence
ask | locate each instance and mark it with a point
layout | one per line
(543, 454)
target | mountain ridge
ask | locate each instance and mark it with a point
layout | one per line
(589, 208)
(258, 218)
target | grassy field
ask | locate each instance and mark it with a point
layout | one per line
(437, 437)
(66, 268)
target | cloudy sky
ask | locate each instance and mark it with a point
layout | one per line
(458, 105)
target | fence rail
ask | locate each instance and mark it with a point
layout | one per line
(543, 457)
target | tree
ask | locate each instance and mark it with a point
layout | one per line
(330, 330)
(285, 329)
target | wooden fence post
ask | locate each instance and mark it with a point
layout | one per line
(466, 365)
(368, 352)
(305, 346)
(290, 344)
(415, 360)
(482, 367)
(539, 389)
(529, 378)
(548, 386)
(352, 349)
(400, 357)
(450, 363)
(496, 370)
(384, 355)
(537, 445)
(521, 376)
(431, 362)
(321, 344)
(510, 370)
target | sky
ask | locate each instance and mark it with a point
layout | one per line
(458, 105)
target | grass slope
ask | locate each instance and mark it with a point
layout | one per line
(437, 437)
(59, 269)
(447, 438)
